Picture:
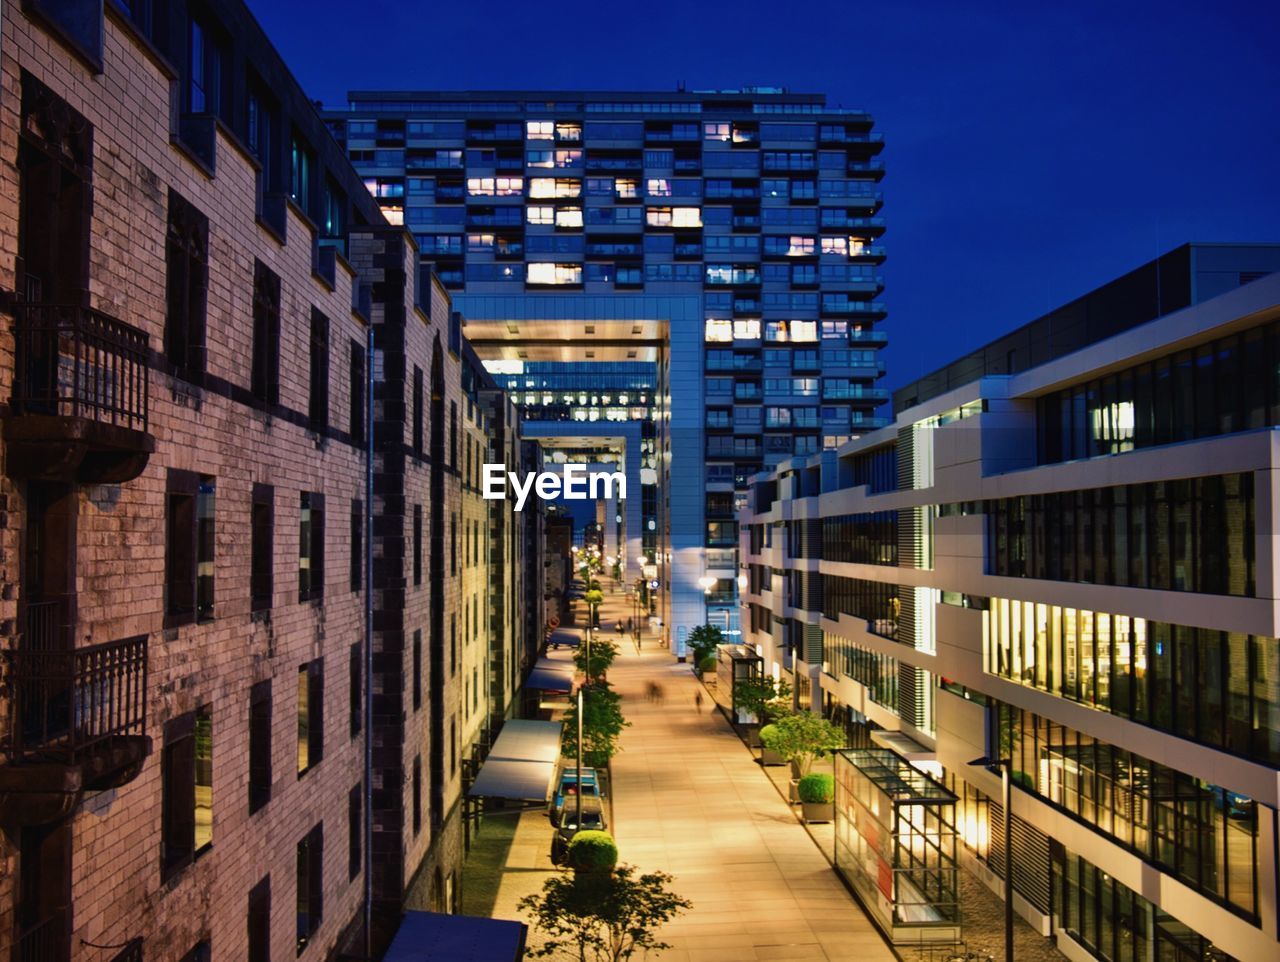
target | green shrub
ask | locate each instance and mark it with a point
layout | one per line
(708, 663)
(817, 788)
(593, 851)
(704, 640)
(767, 734)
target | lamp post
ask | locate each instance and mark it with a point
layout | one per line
(1006, 791)
(579, 787)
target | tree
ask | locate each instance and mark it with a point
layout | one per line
(602, 723)
(762, 697)
(605, 918)
(800, 737)
(704, 640)
(602, 656)
(594, 598)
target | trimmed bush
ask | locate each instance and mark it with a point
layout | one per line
(767, 734)
(707, 664)
(817, 788)
(593, 851)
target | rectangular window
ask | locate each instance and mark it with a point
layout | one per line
(189, 506)
(259, 745)
(204, 85)
(357, 545)
(417, 544)
(187, 785)
(260, 921)
(357, 393)
(417, 669)
(186, 289)
(310, 715)
(417, 410)
(355, 831)
(318, 409)
(311, 547)
(265, 372)
(417, 794)
(310, 885)
(262, 536)
(354, 672)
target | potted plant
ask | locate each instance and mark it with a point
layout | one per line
(703, 642)
(817, 792)
(763, 699)
(707, 668)
(769, 754)
(592, 852)
(801, 737)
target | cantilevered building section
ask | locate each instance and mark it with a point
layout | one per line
(744, 223)
(1060, 555)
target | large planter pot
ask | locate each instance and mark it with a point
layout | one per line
(753, 736)
(770, 757)
(818, 811)
(795, 791)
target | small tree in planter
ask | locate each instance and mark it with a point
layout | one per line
(602, 655)
(769, 754)
(593, 853)
(594, 598)
(817, 797)
(801, 737)
(603, 918)
(763, 698)
(602, 723)
(703, 642)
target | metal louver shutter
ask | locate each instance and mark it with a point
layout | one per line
(1030, 857)
(906, 459)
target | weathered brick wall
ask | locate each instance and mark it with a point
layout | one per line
(117, 892)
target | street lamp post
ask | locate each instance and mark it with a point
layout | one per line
(1006, 802)
(579, 788)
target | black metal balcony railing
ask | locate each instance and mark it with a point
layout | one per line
(79, 362)
(46, 941)
(65, 704)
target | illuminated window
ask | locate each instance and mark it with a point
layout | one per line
(569, 217)
(539, 130)
(544, 187)
(568, 158)
(541, 215)
(539, 158)
(857, 245)
(775, 331)
(835, 330)
(835, 245)
(800, 246)
(479, 243)
(747, 329)
(804, 331)
(686, 217)
(720, 331)
(554, 273)
(495, 186)
(569, 131)
(716, 131)
(626, 188)
(658, 187)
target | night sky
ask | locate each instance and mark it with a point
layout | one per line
(1034, 150)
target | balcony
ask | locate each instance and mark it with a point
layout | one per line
(45, 941)
(79, 405)
(76, 719)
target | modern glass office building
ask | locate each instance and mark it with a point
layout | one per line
(1062, 556)
(762, 205)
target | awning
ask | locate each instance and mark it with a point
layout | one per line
(565, 637)
(902, 744)
(521, 763)
(549, 675)
(434, 937)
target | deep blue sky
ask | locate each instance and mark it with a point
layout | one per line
(1034, 150)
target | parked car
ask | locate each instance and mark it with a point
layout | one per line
(592, 819)
(567, 790)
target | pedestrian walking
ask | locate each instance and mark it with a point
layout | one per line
(697, 700)
(618, 626)
(660, 694)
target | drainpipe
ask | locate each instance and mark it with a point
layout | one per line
(368, 647)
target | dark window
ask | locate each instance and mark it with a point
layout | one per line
(259, 745)
(302, 168)
(262, 126)
(417, 544)
(355, 831)
(417, 794)
(310, 885)
(357, 393)
(189, 506)
(357, 544)
(205, 75)
(355, 670)
(417, 410)
(187, 785)
(453, 746)
(453, 434)
(186, 289)
(311, 547)
(265, 375)
(417, 669)
(200, 952)
(310, 715)
(318, 409)
(260, 921)
(263, 523)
